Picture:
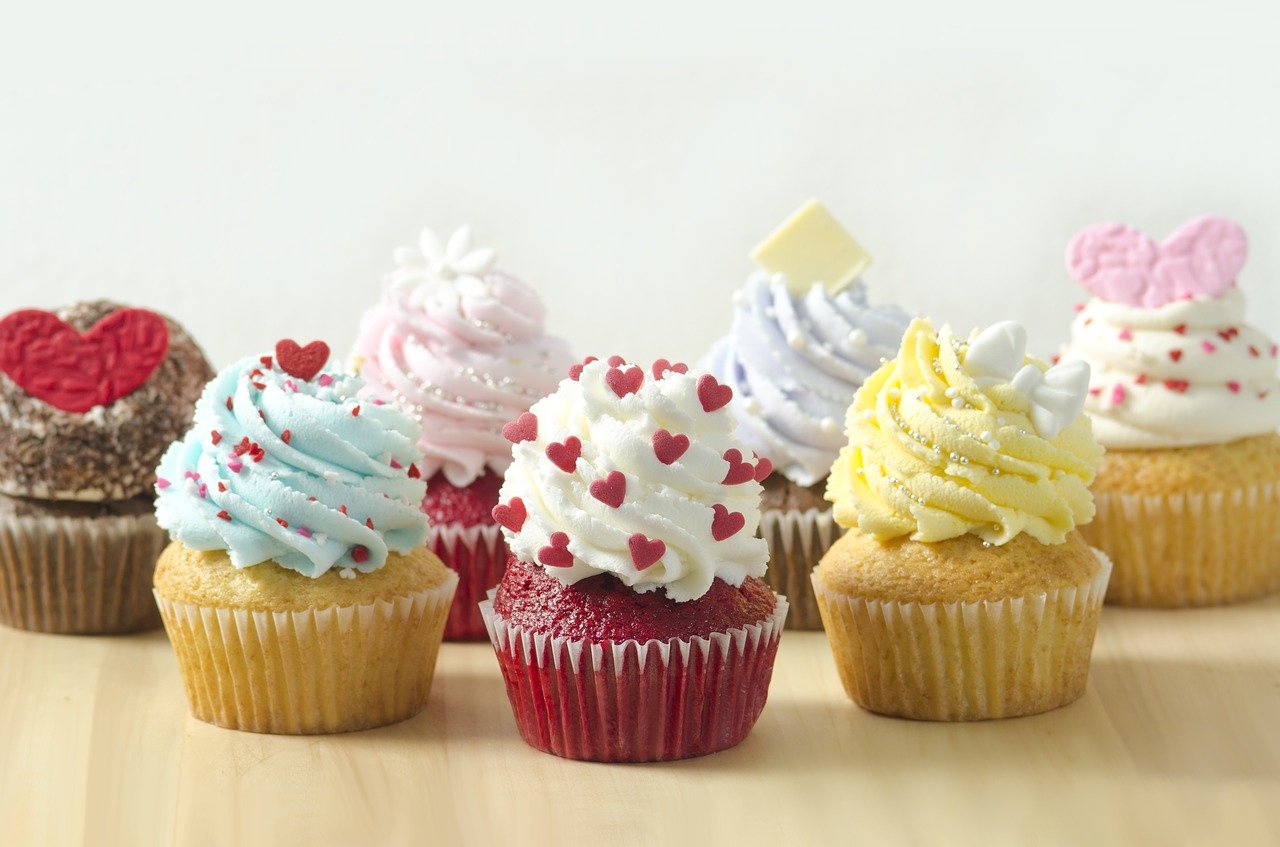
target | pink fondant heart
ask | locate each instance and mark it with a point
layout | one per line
(611, 490)
(564, 455)
(667, 447)
(724, 523)
(624, 382)
(1122, 265)
(523, 428)
(712, 394)
(644, 552)
(556, 555)
(512, 515)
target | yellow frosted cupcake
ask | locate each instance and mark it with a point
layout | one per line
(1186, 400)
(962, 590)
(298, 593)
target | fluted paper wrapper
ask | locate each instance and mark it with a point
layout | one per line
(1189, 549)
(797, 541)
(965, 661)
(337, 669)
(79, 575)
(478, 554)
(633, 702)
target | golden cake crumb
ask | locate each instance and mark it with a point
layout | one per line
(1208, 467)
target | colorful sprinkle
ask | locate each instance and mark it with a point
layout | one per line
(1234, 387)
(1178, 385)
(414, 473)
(1181, 329)
(162, 483)
(215, 437)
(1175, 354)
(325, 380)
(224, 515)
(1208, 346)
(355, 413)
(1117, 394)
(1126, 335)
(286, 436)
(359, 554)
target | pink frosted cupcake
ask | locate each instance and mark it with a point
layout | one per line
(462, 347)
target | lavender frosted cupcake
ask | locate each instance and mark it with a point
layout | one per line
(804, 338)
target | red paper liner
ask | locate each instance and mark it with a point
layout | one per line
(633, 702)
(478, 555)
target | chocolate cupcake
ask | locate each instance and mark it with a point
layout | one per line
(90, 397)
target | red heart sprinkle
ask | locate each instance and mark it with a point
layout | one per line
(661, 366)
(215, 437)
(575, 371)
(667, 447)
(1095, 391)
(616, 361)
(286, 436)
(359, 553)
(624, 382)
(1234, 386)
(1141, 379)
(739, 471)
(712, 394)
(1181, 329)
(224, 515)
(302, 362)
(611, 490)
(1178, 385)
(1175, 354)
(1227, 334)
(413, 471)
(565, 455)
(511, 515)
(222, 486)
(725, 524)
(764, 467)
(557, 555)
(523, 428)
(53, 361)
(645, 552)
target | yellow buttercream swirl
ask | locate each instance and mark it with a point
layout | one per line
(934, 455)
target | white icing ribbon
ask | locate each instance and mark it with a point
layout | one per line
(1056, 396)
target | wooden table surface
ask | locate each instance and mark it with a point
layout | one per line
(1177, 741)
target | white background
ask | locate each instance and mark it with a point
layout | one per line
(250, 171)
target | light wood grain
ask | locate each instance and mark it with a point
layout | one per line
(1177, 741)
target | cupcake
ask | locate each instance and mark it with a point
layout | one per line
(298, 592)
(1185, 398)
(632, 623)
(462, 347)
(804, 339)
(963, 590)
(90, 396)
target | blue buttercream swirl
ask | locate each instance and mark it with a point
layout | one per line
(794, 362)
(301, 473)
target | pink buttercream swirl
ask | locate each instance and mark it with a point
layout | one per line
(464, 354)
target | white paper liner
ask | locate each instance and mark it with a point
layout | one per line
(335, 669)
(478, 554)
(1193, 549)
(797, 541)
(633, 701)
(79, 575)
(965, 661)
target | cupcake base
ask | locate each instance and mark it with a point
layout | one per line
(633, 702)
(478, 555)
(965, 661)
(79, 575)
(797, 541)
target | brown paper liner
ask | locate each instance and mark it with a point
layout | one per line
(965, 661)
(797, 541)
(79, 575)
(1179, 550)
(337, 669)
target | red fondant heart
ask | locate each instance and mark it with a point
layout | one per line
(711, 394)
(739, 471)
(1175, 354)
(302, 362)
(575, 371)
(611, 490)
(661, 366)
(511, 515)
(557, 554)
(645, 552)
(667, 447)
(523, 428)
(51, 360)
(724, 523)
(564, 455)
(624, 382)
(764, 467)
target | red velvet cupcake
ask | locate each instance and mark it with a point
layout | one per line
(632, 624)
(461, 346)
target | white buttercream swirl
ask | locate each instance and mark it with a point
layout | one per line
(1186, 373)
(673, 503)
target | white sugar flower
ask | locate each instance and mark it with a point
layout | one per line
(441, 272)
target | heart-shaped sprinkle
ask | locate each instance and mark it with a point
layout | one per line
(556, 555)
(224, 515)
(1126, 335)
(725, 524)
(52, 361)
(1178, 385)
(611, 490)
(667, 447)
(575, 371)
(739, 471)
(713, 395)
(523, 428)
(359, 553)
(1181, 329)
(661, 366)
(301, 362)
(1141, 379)
(1117, 394)
(1175, 354)
(624, 382)
(511, 515)
(645, 552)
(564, 455)
(616, 361)
(1228, 333)
(764, 467)
(1234, 387)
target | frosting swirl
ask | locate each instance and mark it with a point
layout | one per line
(794, 361)
(635, 475)
(462, 347)
(938, 450)
(295, 471)
(1184, 373)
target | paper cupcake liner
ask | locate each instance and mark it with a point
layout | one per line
(633, 702)
(1189, 549)
(79, 575)
(797, 541)
(478, 554)
(965, 661)
(336, 669)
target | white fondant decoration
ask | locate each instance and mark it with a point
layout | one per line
(422, 273)
(1056, 396)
